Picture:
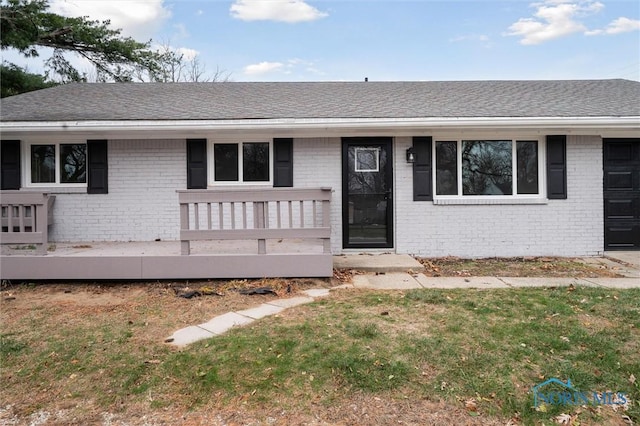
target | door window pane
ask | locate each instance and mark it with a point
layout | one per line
(225, 162)
(73, 162)
(446, 168)
(487, 168)
(43, 163)
(255, 162)
(527, 158)
(367, 159)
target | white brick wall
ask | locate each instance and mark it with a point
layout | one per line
(561, 227)
(142, 203)
(317, 163)
(145, 174)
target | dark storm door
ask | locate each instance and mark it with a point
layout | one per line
(621, 194)
(367, 196)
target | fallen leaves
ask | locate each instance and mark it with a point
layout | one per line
(345, 275)
(471, 405)
(514, 267)
(273, 286)
(564, 419)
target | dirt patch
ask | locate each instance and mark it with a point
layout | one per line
(380, 410)
(115, 294)
(154, 309)
(81, 295)
(359, 409)
(518, 267)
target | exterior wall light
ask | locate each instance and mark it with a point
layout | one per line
(411, 156)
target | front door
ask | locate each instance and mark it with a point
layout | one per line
(367, 196)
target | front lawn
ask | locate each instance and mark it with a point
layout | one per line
(356, 357)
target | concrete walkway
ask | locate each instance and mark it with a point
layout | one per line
(406, 281)
(223, 323)
(397, 281)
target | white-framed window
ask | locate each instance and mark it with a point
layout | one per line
(55, 164)
(489, 167)
(367, 159)
(241, 162)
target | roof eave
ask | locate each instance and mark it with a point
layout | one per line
(324, 126)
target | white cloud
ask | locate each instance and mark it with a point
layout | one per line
(296, 67)
(187, 53)
(140, 19)
(620, 25)
(199, 12)
(297, 61)
(290, 11)
(553, 19)
(262, 68)
(296, 64)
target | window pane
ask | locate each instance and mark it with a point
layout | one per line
(446, 168)
(43, 163)
(527, 157)
(73, 162)
(367, 159)
(255, 162)
(487, 168)
(225, 162)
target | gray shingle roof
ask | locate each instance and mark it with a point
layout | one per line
(219, 101)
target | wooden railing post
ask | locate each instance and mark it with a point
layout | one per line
(185, 246)
(326, 221)
(259, 222)
(39, 215)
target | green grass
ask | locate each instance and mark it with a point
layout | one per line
(9, 345)
(441, 345)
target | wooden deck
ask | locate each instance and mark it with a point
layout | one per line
(224, 234)
(163, 260)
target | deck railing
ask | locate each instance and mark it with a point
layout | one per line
(24, 218)
(255, 214)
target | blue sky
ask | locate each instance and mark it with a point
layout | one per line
(296, 40)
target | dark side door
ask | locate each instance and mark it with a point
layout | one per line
(621, 194)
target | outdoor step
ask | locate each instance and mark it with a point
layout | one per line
(391, 281)
(381, 263)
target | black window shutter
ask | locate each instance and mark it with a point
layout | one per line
(422, 186)
(557, 167)
(196, 164)
(283, 162)
(10, 161)
(98, 167)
